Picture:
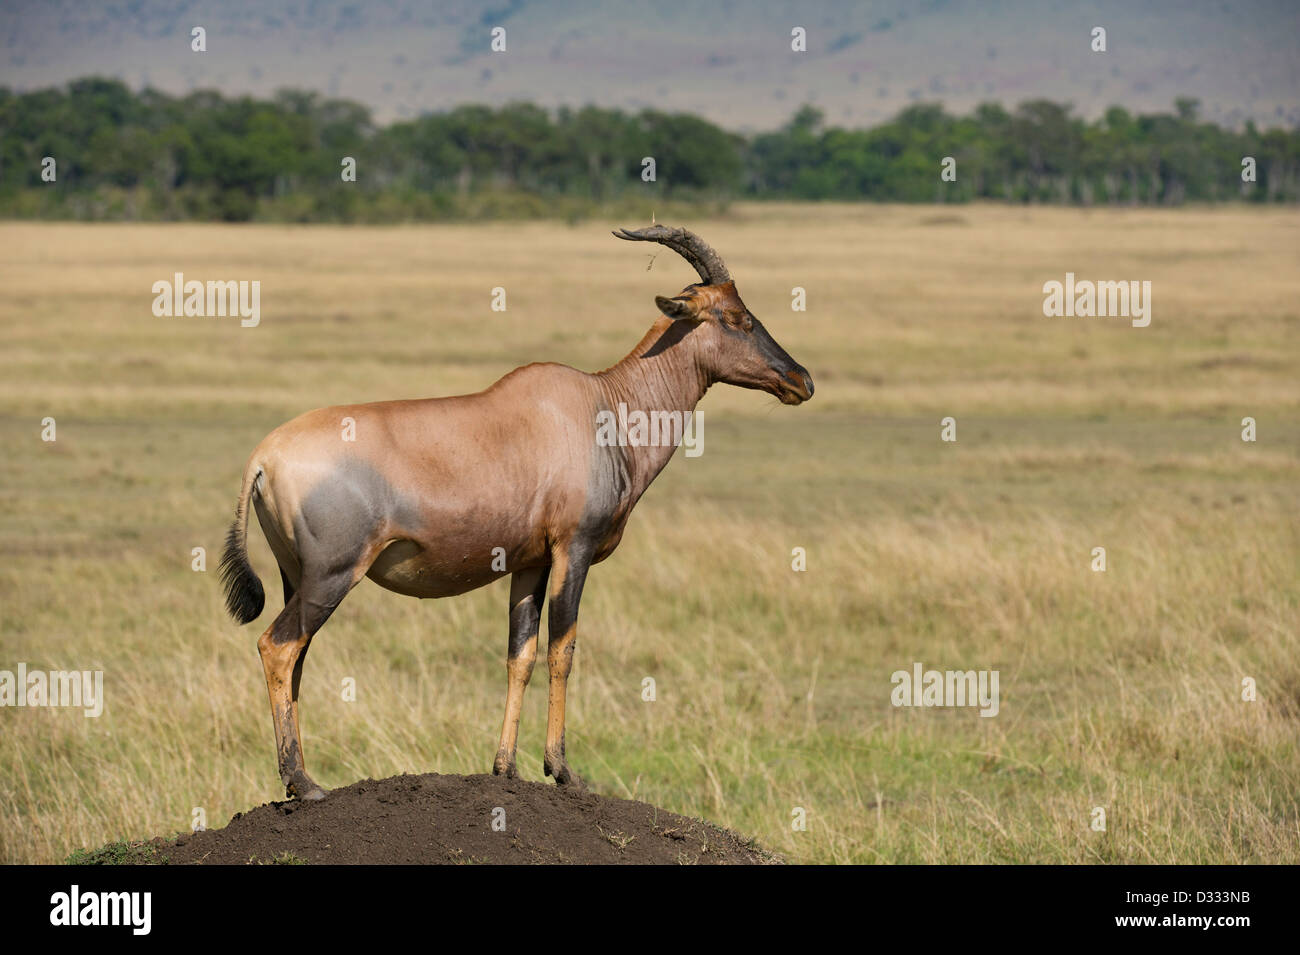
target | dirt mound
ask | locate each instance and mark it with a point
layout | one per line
(432, 819)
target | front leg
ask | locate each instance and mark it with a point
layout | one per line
(568, 574)
(527, 591)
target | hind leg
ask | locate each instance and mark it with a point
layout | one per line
(283, 647)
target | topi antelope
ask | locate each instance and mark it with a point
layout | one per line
(429, 490)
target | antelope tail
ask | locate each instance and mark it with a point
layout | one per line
(244, 595)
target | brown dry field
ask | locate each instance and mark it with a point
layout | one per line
(1120, 690)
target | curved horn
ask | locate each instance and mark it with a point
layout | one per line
(686, 244)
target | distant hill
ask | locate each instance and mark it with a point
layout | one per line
(730, 62)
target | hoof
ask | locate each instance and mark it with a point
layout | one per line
(565, 777)
(303, 787)
(504, 766)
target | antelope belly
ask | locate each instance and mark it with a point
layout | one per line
(407, 568)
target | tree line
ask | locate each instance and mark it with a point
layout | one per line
(119, 154)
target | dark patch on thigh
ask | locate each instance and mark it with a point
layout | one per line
(344, 512)
(338, 523)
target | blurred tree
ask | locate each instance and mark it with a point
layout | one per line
(204, 155)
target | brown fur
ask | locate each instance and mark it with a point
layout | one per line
(431, 492)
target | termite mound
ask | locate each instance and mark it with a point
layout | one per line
(434, 819)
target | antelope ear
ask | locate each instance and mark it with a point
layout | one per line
(679, 309)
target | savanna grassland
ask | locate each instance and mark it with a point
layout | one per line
(1119, 690)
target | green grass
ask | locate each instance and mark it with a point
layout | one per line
(1119, 690)
(118, 853)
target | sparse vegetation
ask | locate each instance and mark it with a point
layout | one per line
(119, 853)
(1119, 689)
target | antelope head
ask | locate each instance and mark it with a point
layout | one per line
(733, 345)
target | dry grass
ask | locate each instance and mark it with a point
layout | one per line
(1119, 690)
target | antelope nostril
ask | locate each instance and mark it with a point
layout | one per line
(798, 380)
(800, 377)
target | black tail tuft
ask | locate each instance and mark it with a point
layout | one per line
(244, 595)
